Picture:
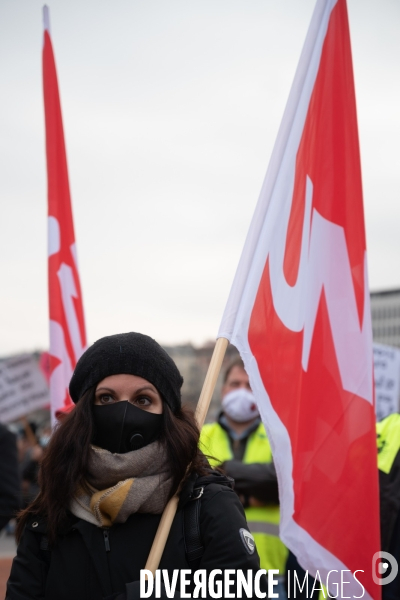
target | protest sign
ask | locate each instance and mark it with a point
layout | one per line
(387, 380)
(23, 388)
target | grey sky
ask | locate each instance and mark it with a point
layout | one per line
(171, 109)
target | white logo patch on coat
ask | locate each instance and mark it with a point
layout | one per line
(247, 540)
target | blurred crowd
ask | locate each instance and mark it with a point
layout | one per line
(21, 451)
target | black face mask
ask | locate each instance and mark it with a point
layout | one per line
(122, 427)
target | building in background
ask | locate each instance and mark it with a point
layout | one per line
(385, 309)
(193, 363)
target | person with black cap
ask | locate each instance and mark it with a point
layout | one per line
(107, 473)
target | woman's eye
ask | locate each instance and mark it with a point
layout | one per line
(143, 401)
(106, 399)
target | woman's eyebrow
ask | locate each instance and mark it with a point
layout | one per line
(140, 389)
(146, 387)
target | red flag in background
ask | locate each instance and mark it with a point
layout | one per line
(67, 325)
(299, 314)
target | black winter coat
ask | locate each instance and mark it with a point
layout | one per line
(90, 563)
(10, 486)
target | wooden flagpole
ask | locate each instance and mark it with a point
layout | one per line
(203, 404)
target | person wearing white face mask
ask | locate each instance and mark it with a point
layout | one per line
(237, 443)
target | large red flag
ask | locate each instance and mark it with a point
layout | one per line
(67, 327)
(299, 314)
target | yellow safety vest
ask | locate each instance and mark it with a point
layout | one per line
(388, 441)
(263, 521)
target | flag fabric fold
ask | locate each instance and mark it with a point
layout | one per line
(67, 326)
(299, 314)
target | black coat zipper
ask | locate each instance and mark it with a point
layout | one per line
(106, 536)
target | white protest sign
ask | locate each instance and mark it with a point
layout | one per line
(387, 380)
(22, 387)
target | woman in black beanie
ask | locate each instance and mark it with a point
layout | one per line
(107, 474)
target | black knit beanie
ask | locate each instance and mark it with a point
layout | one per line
(132, 354)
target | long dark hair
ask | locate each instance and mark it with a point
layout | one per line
(65, 461)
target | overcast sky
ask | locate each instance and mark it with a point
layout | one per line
(171, 109)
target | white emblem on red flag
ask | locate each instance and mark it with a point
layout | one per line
(299, 314)
(67, 327)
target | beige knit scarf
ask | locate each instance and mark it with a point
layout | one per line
(123, 484)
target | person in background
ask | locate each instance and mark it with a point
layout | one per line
(10, 490)
(388, 442)
(238, 444)
(30, 454)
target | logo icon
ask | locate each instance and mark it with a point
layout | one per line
(247, 540)
(384, 568)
